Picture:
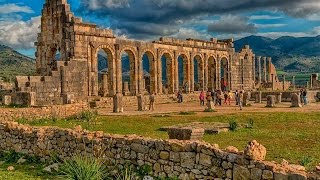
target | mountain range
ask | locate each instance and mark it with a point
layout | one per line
(289, 54)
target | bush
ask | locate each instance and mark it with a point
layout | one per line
(233, 125)
(81, 167)
(250, 123)
(88, 116)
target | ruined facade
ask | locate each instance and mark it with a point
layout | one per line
(74, 75)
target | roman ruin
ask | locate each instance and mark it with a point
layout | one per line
(73, 75)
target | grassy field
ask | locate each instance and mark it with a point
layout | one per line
(290, 136)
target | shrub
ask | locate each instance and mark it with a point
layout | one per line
(305, 160)
(125, 174)
(233, 125)
(144, 170)
(88, 116)
(81, 167)
(11, 156)
(250, 123)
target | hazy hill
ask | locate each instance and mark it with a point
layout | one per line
(288, 53)
(12, 63)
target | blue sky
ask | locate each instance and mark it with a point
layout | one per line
(151, 19)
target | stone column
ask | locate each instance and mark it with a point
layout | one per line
(272, 78)
(176, 72)
(118, 70)
(63, 82)
(307, 84)
(141, 75)
(219, 73)
(206, 74)
(259, 70)
(258, 97)
(264, 69)
(105, 86)
(269, 69)
(283, 82)
(126, 91)
(159, 72)
(117, 103)
(192, 70)
(311, 82)
(293, 83)
(141, 103)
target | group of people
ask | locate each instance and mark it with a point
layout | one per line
(217, 96)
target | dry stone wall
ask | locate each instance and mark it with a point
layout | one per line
(168, 158)
(57, 111)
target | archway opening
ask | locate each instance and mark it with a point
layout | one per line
(198, 73)
(128, 68)
(104, 58)
(148, 73)
(212, 74)
(183, 71)
(224, 72)
(167, 73)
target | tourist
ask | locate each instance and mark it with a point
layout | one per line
(225, 95)
(201, 98)
(230, 96)
(179, 96)
(209, 97)
(304, 96)
(219, 96)
(301, 95)
(151, 101)
(237, 97)
(240, 100)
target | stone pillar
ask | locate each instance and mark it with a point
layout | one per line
(192, 71)
(254, 71)
(219, 73)
(283, 82)
(117, 103)
(293, 83)
(141, 103)
(141, 75)
(176, 72)
(159, 72)
(269, 69)
(63, 82)
(295, 100)
(206, 74)
(246, 98)
(264, 69)
(259, 69)
(272, 78)
(6, 100)
(311, 82)
(258, 97)
(126, 91)
(270, 101)
(105, 86)
(307, 86)
(278, 98)
(118, 70)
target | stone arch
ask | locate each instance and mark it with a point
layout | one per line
(212, 72)
(166, 72)
(131, 87)
(197, 69)
(149, 83)
(107, 85)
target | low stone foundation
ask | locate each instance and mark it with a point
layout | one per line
(168, 158)
(56, 111)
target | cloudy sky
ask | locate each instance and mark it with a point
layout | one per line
(150, 19)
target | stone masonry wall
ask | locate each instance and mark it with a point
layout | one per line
(187, 160)
(57, 111)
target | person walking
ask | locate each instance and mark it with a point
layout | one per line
(230, 96)
(225, 95)
(151, 101)
(237, 97)
(201, 98)
(209, 97)
(304, 96)
(240, 100)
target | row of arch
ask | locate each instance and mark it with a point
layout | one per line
(162, 74)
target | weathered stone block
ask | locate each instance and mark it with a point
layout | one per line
(255, 151)
(141, 103)
(117, 103)
(240, 173)
(271, 101)
(258, 97)
(295, 100)
(6, 100)
(186, 133)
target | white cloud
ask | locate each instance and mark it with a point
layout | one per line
(270, 25)
(264, 17)
(314, 17)
(20, 34)
(13, 8)
(185, 33)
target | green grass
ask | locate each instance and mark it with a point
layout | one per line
(290, 136)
